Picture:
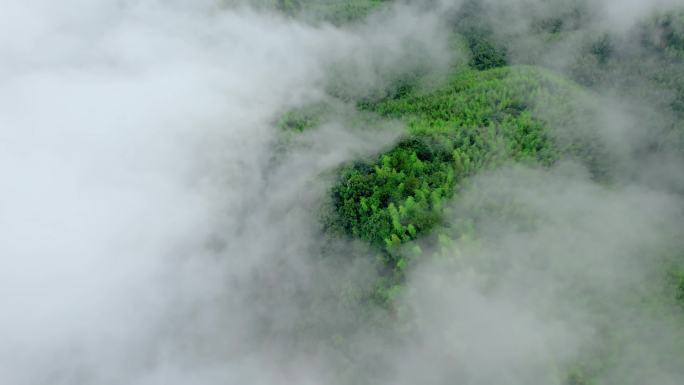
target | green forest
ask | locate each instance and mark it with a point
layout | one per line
(501, 105)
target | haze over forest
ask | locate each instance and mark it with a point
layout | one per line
(338, 192)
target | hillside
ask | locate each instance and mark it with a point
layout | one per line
(489, 115)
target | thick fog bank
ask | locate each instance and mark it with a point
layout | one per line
(138, 193)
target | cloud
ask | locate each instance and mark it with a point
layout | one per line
(560, 269)
(137, 201)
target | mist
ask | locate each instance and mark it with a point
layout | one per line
(159, 227)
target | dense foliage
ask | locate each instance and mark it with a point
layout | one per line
(478, 120)
(485, 51)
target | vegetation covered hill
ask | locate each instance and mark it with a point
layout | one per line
(491, 114)
(478, 120)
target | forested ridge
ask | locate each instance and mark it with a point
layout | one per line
(501, 107)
